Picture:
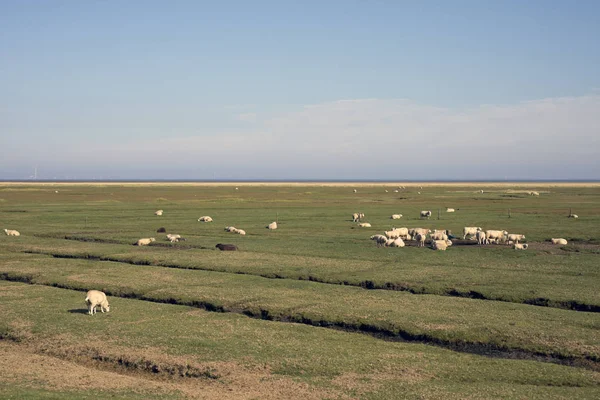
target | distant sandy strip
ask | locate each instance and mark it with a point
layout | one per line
(544, 184)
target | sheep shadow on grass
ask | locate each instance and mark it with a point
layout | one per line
(78, 311)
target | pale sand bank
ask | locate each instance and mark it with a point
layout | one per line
(391, 184)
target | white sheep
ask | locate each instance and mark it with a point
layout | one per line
(355, 190)
(230, 228)
(573, 216)
(364, 225)
(425, 214)
(558, 241)
(439, 235)
(396, 216)
(495, 236)
(449, 209)
(520, 246)
(95, 298)
(355, 217)
(515, 238)
(470, 231)
(420, 237)
(241, 232)
(395, 243)
(534, 194)
(423, 231)
(144, 241)
(12, 232)
(402, 232)
(158, 212)
(205, 218)
(272, 225)
(439, 244)
(481, 237)
(379, 239)
(173, 238)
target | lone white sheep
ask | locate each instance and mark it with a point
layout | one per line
(470, 231)
(520, 246)
(272, 225)
(95, 298)
(205, 218)
(396, 216)
(425, 214)
(449, 209)
(364, 225)
(144, 241)
(12, 232)
(558, 241)
(158, 212)
(573, 216)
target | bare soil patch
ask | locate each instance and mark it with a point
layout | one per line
(29, 365)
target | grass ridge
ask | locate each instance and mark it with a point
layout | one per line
(387, 331)
(571, 305)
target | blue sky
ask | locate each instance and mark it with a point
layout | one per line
(299, 90)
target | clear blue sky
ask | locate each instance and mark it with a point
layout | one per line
(84, 83)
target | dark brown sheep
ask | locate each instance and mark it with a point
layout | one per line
(226, 247)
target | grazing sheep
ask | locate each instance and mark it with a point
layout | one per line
(481, 237)
(364, 225)
(515, 238)
(396, 191)
(355, 190)
(95, 298)
(11, 232)
(558, 241)
(205, 218)
(393, 234)
(425, 214)
(230, 228)
(481, 191)
(573, 216)
(161, 230)
(421, 239)
(144, 242)
(379, 239)
(449, 209)
(402, 232)
(439, 235)
(495, 236)
(395, 243)
(520, 246)
(439, 244)
(470, 231)
(226, 247)
(241, 232)
(396, 216)
(386, 191)
(272, 225)
(173, 236)
(423, 231)
(355, 217)
(534, 194)
(159, 212)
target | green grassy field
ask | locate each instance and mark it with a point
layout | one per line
(311, 310)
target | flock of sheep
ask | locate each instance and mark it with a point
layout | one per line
(440, 239)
